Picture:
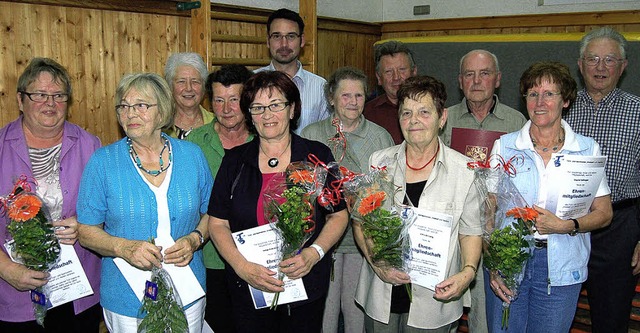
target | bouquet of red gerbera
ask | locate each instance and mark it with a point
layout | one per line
(508, 226)
(288, 206)
(384, 224)
(34, 242)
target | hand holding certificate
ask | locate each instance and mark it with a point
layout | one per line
(259, 246)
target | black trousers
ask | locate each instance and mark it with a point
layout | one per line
(306, 318)
(611, 284)
(218, 312)
(60, 319)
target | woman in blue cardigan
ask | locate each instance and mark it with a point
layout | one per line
(145, 186)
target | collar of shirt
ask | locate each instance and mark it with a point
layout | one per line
(494, 109)
(605, 102)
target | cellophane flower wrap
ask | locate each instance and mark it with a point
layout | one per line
(384, 224)
(508, 224)
(288, 206)
(34, 244)
(161, 306)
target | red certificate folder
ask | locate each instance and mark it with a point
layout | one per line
(474, 143)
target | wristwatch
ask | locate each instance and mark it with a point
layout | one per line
(196, 231)
(576, 228)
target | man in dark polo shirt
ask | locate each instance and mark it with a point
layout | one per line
(394, 64)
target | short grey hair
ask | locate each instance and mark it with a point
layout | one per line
(493, 56)
(184, 59)
(38, 66)
(343, 73)
(604, 32)
(150, 85)
(390, 48)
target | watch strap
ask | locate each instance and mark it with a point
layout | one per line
(200, 236)
(319, 249)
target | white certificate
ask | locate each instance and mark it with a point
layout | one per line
(430, 235)
(574, 181)
(260, 245)
(67, 281)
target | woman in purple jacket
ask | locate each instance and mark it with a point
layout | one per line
(43, 146)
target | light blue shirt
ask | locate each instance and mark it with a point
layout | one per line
(567, 255)
(311, 86)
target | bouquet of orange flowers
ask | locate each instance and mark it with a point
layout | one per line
(384, 227)
(34, 243)
(288, 206)
(508, 227)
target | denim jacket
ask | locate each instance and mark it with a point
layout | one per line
(567, 255)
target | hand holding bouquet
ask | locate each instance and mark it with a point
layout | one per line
(509, 250)
(162, 306)
(385, 230)
(288, 202)
(34, 242)
(508, 225)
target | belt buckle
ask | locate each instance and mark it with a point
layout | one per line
(540, 244)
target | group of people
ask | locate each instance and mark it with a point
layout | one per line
(150, 199)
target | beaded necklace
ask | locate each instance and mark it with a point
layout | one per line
(136, 158)
(424, 166)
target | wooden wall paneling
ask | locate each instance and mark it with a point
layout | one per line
(242, 42)
(309, 14)
(96, 46)
(200, 37)
(623, 21)
(343, 43)
(9, 33)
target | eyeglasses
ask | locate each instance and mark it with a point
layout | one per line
(609, 61)
(546, 95)
(278, 36)
(275, 107)
(42, 97)
(139, 107)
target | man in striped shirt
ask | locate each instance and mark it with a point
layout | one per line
(612, 117)
(285, 30)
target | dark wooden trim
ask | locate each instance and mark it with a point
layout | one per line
(326, 23)
(516, 21)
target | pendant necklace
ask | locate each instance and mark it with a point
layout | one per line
(424, 166)
(136, 158)
(273, 162)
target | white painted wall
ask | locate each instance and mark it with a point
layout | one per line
(358, 10)
(401, 10)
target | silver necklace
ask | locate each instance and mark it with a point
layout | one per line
(546, 149)
(273, 162)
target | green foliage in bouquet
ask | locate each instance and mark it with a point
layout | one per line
(293, 217)
(164, 314)
(35, 242)
(384, 230)
(508, 251)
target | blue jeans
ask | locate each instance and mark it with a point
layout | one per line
(537, 308)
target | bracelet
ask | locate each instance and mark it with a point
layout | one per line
(199, 235)
(319, 249)
(475, 270)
